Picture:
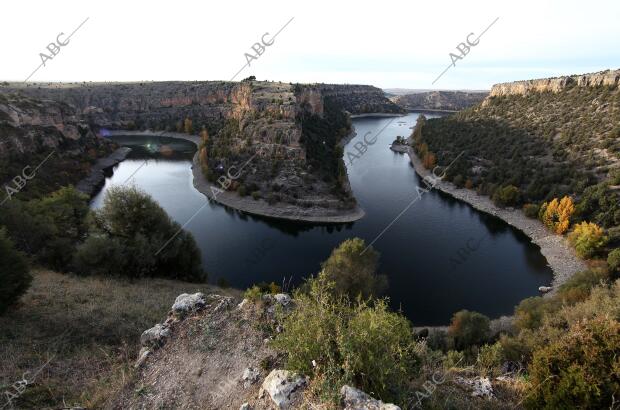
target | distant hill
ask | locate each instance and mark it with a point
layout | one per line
(548, 137)
(439, 100)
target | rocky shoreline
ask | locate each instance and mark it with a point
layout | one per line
(93, 182)
(260, 207)
(561, 257)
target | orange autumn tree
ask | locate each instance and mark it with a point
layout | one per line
(556, 214)
(429, 161)
(187, 126)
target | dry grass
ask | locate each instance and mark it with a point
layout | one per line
(87, 330)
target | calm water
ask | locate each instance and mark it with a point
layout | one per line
(416, 251)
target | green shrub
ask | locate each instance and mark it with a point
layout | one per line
(578, 287)
(50, 228)
(254, 293)
(14, 273)
(360, 344)
(490, 359)
(133, 236)
(579, 370)
(377, 350)
(352, 268)
(506, 196)
(469, 329)
(530, 312)
(613, 260)
(454, 359)
(531, 210)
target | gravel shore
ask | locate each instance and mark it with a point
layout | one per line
(561, 257)
(260, 207)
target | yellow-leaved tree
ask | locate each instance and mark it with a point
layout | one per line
(587, 238)
(556, 214)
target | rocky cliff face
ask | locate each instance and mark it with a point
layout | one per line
(359, 99)
(295, 128)
(439, 100)
(33, 130)
(602, 78)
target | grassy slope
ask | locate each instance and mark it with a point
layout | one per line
(88, 329)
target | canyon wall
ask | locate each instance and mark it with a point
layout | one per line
(609, 78)
(439, 100)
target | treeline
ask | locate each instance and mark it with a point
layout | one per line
(130, 236)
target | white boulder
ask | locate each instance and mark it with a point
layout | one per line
(185, 303)
(355, 399)
(280, 385)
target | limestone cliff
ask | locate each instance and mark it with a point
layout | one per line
(36, 131)
(602, 78)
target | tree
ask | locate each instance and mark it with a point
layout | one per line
(14, 273)
(187, 126)
(469, 329)
(133, 236)
(587, 238)
(556, 214)
(506, 196)
(429, 161)
(353, 269)
(613, 260)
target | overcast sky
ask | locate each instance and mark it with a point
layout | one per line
(387, 44)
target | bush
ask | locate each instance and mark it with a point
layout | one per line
(469, 329)
(613, 260)
(587, 238)
(359, 344)
(490, 359)
(50, 228)
(15, 275)
(254, 294)
(579, 370)
(133, 236)
(506, 196)
(531, 210)
(578, 287)
(530, 312)
(377, 350)
(454, 359)
(353, 271)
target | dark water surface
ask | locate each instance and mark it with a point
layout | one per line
(419, 252)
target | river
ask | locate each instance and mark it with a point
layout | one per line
(440, 255)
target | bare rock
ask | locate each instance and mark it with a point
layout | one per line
(480, 386)
(145, 352)
(355, 399)
(282, 299)
(155, 336)
(250, 376)
(281, 386)
(186, 303)
(544, 289)
(245, 406)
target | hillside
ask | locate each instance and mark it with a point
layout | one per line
(548, 138)
(439, 100)
(48, 134)
(291, 133)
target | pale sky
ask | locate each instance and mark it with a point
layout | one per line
(388, 44)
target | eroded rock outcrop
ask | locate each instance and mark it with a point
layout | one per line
(609, 78)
